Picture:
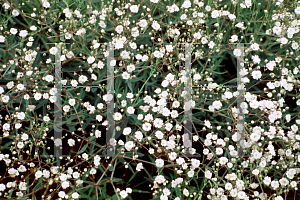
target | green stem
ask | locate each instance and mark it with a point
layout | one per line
(151, 73)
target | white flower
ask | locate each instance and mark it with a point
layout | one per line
(234, 38)
(284, 181)
(52, 99)
(168, 126)
(125, 75)
(15, 13)
(165, 112)
(172, 156)
(275, 184)
(61, 194)
(176, 104)
(283, 40)
(74, 83)
(98, 134)
(130, 68)
(130, 110)
(204, 40)
(180, 161)
(186, 4)
(159, 134)
(71, 142)
(295, 46)
(2, 39)
(191, 173)
(164, 83)
(145, 58)
(174, 114)
(6, 6)
(228, 186)
(6, 126)
(49, 78)
(21, 115)
(241, 195)
(10, 84)
(155, 25)
(158, 123)
(237, 52)
(117, 116)
(119, 43)
(215, 14)
(99, 118)
(154, 1)
(82, 79)
(297, 10)
(23, 33)
(228, 95)
(143, 23)
(254, 47)
(255, 136)
(240, 25)
(2, 187)
(134, 9)
(278, 198)
(123, 194)
(185, 192)
(294, 184)
(160, 179)
(125, 55)
(53, 50)
(219, 151)
(256, 74)
(38, 174)
(85, 156)
(207, 123)
(68, 36)
(26, 96)
(100, 65)
(129, 145)
(223, 160)
(217, 104)
(277, 30)
(159, 162)
(91, 59)
(80, 31)
(58, 142)
(256, 59)
(66, 108)
(146, 126)
(255, 172)
(211, 44)
(13, 31)
(248, 3)
(75, 195)
(46, 4)
(46, 173)
(113, 63)
(70, 54)
(13, 172)
(119, 29)
(138, 135)
(20, 145)
(133, 45)
(20, 87)
(72, 102)
(33, 28)
(127, 131)
(197, 35)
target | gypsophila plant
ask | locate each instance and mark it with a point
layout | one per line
(150, 77)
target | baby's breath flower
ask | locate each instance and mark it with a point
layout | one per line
(2, 39)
